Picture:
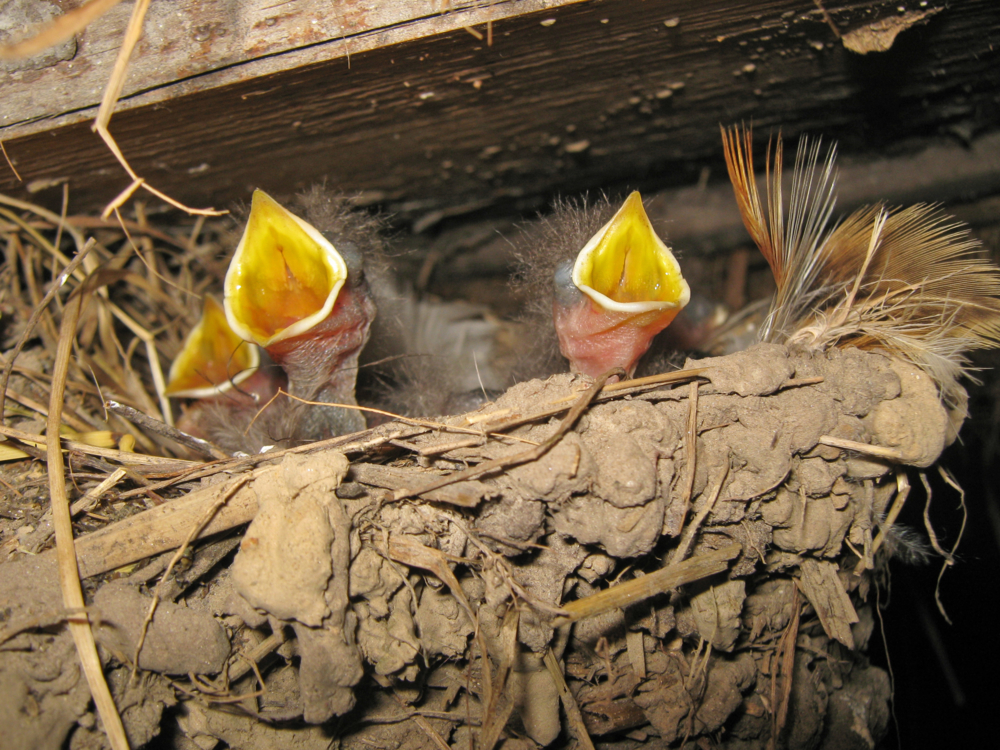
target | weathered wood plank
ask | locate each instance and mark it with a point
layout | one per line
(612, 93)
(198, 45)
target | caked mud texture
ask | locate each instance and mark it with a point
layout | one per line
(378, 597)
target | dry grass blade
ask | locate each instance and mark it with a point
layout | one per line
(162, 428)
(37, 314)
(902, 492)
(691, 446)
(69, 575)
(532, 454)
(641, 588)
(112, 92)
(569, 702)
(498, 705)
(783, 672)
(878, 451)
(9, 162)
(64, 27)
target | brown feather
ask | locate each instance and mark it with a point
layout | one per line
(910, 281)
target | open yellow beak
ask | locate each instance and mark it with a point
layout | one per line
(626, 268)
(213, 358)
(284, 277)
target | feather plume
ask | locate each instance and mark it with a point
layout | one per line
(910, 281)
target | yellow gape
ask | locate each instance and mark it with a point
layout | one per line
(626, 268)
(213, 358)
(284, 277)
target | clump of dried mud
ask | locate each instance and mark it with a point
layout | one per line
(349, 613)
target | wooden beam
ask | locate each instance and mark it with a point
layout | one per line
(581, 96)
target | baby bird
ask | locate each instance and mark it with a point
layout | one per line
(213, 360)
(614, 283)
(227, 378)
(297, 290)
(909, 281)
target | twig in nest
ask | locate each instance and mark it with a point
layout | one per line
(949, 557)
(135, 416)
(39, 310)
(262, 649)
(872, 450)
(195, 531)
(691, 445)
(687, 539)
(569, 702)
(496, 710)
(784, 669)
(370, 410)
(622, 387)
(112, 92)
(532, 454)
(69, 575)
(124, 457)
(639, 589)
(902, 492)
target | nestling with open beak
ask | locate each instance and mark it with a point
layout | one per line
(226, 376)
(615, 283)
(298, 290)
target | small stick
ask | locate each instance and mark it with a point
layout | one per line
(124, 457)
(262, 649)
(878, 451)
(532, 454)
(785, 669)
(639, 589)
(569, 702)
(195, 531)
(688, 537)
(561, 404)
(691, 445)
(204, 447)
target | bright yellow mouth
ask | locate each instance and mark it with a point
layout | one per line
(213, 359)
(625, 267)
(284, 277)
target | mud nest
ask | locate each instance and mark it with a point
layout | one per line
(692, 557)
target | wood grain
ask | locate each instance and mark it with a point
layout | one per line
(440, 125)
